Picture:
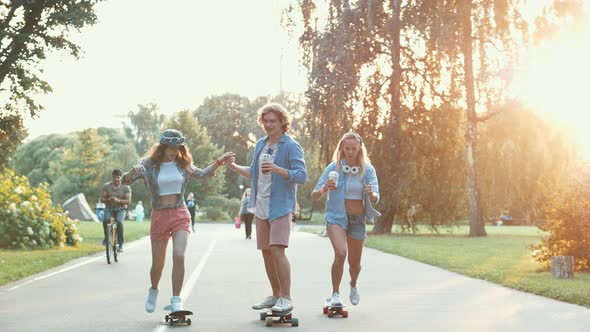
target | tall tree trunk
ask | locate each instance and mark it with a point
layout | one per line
(391, 152)
(476, 225)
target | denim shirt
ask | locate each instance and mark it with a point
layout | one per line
(335, 210)
(283, 192)
(150, 177)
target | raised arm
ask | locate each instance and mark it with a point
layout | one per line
(209, 171)
(134, 174)
(242, 170)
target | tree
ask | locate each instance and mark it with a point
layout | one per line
(32, 159)
(568, 225)
(524, 158)
(146, 125)
(28, 31)
(475, 42)
(231, 120)
(204, 152)
(47, 158)
(364, 73)
(12, 132)
(81, 167)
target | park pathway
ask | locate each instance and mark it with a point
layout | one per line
(225, 276)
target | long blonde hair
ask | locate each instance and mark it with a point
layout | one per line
(362, 158)
(246, 192)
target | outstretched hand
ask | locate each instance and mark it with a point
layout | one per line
(226, 157)
(231, 163)
(138, 169)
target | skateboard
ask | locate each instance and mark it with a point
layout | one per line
(332, 311)
(283, 318)
(177, 317)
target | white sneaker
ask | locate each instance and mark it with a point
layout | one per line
(176, 304)
(283, 305)
(150, 303)
(354, 295)
(268, 302)
(336, 301)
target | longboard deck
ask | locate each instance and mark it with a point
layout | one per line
(332, 311)
(177, 317)
(285, 317)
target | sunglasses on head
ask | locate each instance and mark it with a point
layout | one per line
(171, 140)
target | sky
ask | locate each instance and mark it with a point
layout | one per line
(173, 53)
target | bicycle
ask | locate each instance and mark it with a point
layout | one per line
(111, 246)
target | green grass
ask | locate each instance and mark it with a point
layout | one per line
(503, 257)
(18, 264)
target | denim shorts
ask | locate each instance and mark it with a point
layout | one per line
(355, 226)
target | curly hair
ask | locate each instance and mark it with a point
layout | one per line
(278, 110)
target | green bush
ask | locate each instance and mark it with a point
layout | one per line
(568, 224)
(215, 213)
(225, 207)
(28, 219)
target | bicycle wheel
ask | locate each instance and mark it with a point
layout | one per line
(114, 241)
(109, 244)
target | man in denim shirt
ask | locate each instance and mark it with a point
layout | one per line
(274, 195)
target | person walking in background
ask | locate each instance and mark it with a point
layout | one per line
(295, 216)
(245, 215)
(276, 170)
(191, 205)
(350, 182)
(166, 171)
(139, 212)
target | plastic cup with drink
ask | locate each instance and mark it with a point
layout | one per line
(333, 175)
(266, 158)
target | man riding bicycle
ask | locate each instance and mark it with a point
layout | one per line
(116, 196)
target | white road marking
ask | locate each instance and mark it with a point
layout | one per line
(192, 281)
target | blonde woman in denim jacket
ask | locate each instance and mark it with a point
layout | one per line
(166, 171)
(348, 206)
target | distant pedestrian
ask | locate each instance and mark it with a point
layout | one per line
(245, 215)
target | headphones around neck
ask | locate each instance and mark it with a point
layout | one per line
(354, 170)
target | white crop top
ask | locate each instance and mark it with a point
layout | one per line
(354, 187)
(169, 179)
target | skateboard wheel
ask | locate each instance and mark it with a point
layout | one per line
(345, 314)
(295, 322)
(269, 321)
(330, 313)
(167, 318)
(325, 310)
(263, 315)
(188, 321)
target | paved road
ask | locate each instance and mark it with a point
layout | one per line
(225, 277)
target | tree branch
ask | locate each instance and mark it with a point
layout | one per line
(487, 115)
(32, 18)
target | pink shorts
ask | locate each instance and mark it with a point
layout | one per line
(275, 233)
(166, 222)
